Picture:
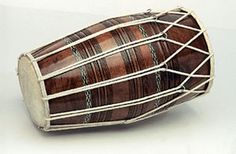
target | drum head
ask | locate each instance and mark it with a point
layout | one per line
(31, 91)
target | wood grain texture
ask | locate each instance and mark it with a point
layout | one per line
(123, 63)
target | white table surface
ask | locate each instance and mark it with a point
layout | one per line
(206, 125)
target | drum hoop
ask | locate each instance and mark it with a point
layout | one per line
(43, 90)
(210, 48)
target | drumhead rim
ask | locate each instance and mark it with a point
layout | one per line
(207, 39)
(31, 91)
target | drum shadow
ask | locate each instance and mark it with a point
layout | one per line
(172, 117)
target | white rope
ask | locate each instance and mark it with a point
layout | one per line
(131, 102)
(168, 103)
(195, 70)
(125, 77)
(80, 63)
(112, 106)
(210, 50)
(178, 13)
(52, 115)
(188, 46)
(108, 53)
(116, 106)
(154, 13)
(131, 23)
(182, 47)
(176, 24)
(142, 117)
(156, 37)
(74, 126)
(43, 88)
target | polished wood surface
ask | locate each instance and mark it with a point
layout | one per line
(120, 64)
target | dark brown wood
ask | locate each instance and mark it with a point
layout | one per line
(120, 64)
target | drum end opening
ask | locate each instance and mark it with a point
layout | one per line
(31, 91)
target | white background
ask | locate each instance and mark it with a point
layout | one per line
(201, 126)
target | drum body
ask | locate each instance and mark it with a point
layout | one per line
(118, 71)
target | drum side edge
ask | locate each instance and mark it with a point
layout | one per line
(206, 36)
(31, 91)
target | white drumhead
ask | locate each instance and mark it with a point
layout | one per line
(31, 91)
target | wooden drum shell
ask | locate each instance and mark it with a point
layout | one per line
(47, 64)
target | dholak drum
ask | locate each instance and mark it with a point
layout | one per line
(119, 71)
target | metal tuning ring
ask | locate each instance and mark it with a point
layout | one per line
(164, 35)
(148, 12)
(183, 88)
